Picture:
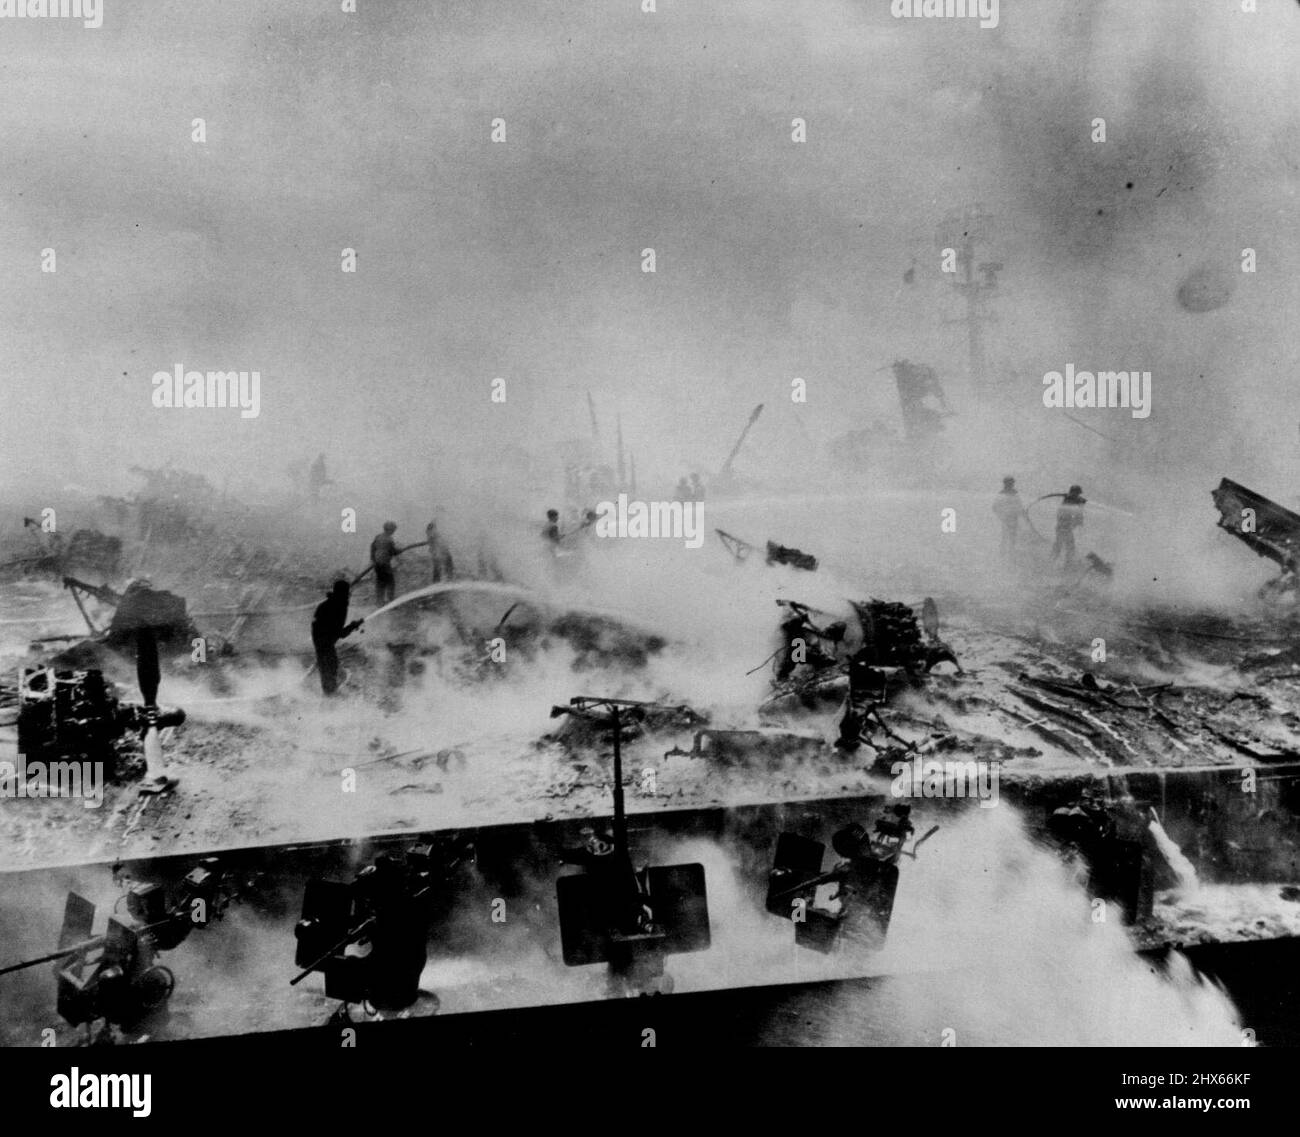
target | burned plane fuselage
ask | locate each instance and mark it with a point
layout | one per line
(1271, 530)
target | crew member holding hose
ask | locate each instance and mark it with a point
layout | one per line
(328, 626)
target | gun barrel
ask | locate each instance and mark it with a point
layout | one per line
(824, 878)
(351, 937)
(354, 935)
(52, 956)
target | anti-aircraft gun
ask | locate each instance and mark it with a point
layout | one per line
(865, 879)
(615, 913)
(388, 907)
(115, 976)
(1115, 844)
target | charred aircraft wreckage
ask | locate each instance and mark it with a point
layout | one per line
(861, 665)
(1271, 530)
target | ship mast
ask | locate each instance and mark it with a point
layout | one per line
(964, 232)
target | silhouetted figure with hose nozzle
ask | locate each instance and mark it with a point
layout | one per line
(328, 626)
(1069, 517)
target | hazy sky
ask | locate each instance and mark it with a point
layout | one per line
(624, 131)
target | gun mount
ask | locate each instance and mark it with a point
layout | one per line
(862, 883)
(1116, 847)
(116, 977)
(615, 913)
(388, 907)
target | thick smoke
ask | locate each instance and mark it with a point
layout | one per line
(521, 260)
(993, 941)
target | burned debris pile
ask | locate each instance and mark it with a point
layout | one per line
(892, 636)
(862, 666)
(599, 642)
(763, 746)
(820, 655)
(139, 606)
(587, 720)
(777, 554)
(795, 558)
(87, 550)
